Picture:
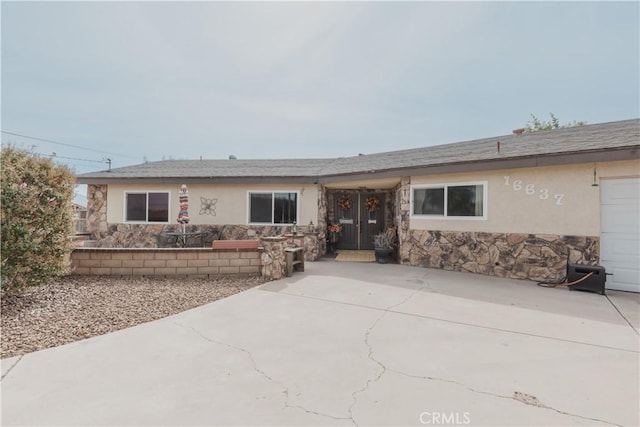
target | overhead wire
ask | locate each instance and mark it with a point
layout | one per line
(35, 138)
(56, 156)
(77, 196)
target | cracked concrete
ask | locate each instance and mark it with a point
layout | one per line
(285, 389)
(349, 344)
(8, 364)
(383, 368)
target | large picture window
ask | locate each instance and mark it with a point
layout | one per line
(449, 200)
(273, 208)
(147, 207)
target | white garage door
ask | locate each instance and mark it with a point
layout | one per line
(620, 232)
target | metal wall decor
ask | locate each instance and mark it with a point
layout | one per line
(208, 206)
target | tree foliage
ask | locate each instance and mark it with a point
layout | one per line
(536, 124)
(36, 218)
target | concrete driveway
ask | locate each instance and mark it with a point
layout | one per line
(351, 344)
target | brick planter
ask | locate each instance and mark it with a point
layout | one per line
(196, 262)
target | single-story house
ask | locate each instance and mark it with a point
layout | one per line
(519, 206)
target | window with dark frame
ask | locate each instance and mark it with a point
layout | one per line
(147, 207)
(449, 200)
(273, 208)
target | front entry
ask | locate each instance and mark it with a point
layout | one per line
(361, 216)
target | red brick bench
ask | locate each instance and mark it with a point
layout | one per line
(235, 244)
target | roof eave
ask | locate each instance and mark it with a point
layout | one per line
(557, 159)
(198, 180)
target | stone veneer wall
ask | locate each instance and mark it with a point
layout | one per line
(402, 208)
(96, 210)
(321, 247)
(273, 259)
(519, 256)
(165, 262)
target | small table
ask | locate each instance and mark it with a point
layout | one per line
(183, 238)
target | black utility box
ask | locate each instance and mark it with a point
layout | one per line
(595, 282)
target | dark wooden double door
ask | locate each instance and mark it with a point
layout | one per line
(359, 225)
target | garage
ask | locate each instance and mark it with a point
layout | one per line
(620, 233)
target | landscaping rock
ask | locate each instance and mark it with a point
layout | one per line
(72, 308)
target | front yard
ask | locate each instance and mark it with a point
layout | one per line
(72, 308)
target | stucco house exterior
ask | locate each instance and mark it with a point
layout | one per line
(517, 206)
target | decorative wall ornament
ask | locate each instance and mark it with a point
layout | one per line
(344, 202)
(208, 206)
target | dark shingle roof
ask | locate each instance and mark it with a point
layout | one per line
(541, 143)
(589, 138)
(217, 169)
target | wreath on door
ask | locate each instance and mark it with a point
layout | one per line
(372, 204)
(344, 202)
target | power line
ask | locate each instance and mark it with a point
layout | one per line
(66, 145)
(55, 156)
(80, 166)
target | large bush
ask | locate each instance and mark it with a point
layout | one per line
(36, 218)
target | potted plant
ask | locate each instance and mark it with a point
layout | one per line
(333, 234)
(384, 244)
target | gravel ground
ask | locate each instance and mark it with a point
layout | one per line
(76, 307)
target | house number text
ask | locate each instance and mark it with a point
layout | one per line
(530, 190)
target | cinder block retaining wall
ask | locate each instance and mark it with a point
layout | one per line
(199, 262)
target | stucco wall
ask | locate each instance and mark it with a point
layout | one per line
(231, 201)
(559, 200)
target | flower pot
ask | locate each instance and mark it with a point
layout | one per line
(383, 256)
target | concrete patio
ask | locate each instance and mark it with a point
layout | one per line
(351, 344)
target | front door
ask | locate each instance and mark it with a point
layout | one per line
(361, 216)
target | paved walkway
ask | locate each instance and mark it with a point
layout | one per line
(351, 344)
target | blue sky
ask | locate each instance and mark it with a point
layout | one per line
(143, 81)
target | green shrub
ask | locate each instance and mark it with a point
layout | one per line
(36, 218)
